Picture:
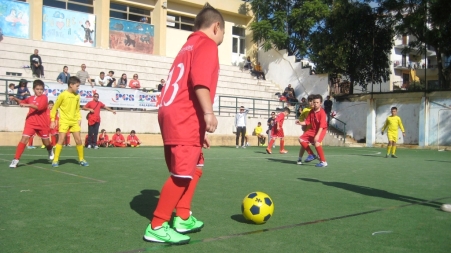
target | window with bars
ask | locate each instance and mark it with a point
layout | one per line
(131, 13)
(180, 22)
(74, 5)
(238, 40)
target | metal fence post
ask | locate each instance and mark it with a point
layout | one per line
(219, 106)
(253, 107)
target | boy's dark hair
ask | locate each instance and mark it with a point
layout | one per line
(259, 123)
(207, 16)
(112, 72)
(286, 109)
(11, 84)
(318, 96)
(394, 108)
(118, 129)
(133, 132)
(103, 130)
(51, 102)
(310, 97)
(102, 72)
(37, 83)
(73, 80)
(64, 67)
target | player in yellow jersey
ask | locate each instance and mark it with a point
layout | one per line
(303, 117)
(68, 103)
(392, 123)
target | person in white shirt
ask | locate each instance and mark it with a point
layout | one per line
(240, 124)
(101, 80)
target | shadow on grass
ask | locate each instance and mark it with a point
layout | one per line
(240, 218)
(38, 161)
(373, 192)
(145, 203)
(281, 160)
(438, 161)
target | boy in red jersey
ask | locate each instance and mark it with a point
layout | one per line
(133, 140)
(277, 132)
(37, 121)
(104, 140)
(118, 139)
(317, 120)
(190, 91)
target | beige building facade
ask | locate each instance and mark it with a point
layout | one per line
(172, 20)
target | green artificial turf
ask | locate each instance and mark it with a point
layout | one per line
(106, 207)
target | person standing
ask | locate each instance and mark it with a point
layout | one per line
(240, 125)
(134, 83)
(101, 80)
(36, 64)
(83, 75)
(93, 118)
(277, 132)
(63, 77)
(161, 85)
(328, 108)
(191, 90)
(392, 123)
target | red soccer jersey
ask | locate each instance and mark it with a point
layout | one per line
(132, 138)
(280, 118)
(180, 116)
(317, 120)
(117, 138)
(37, 118)
(104, 137)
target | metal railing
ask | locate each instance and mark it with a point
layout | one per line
(343, 130)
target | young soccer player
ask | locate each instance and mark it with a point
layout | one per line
(303, 117)
(133, 140)
(104, 140)
(190, 88)
(37, 121)
(118, 139)
(317, 118)
(392, 123)
(258, 132)
(277, 132)
(68, 104)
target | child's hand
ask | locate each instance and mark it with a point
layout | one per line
(52, 125)
(403, 134)
(297, 122)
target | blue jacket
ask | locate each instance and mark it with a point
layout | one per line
(63, 77)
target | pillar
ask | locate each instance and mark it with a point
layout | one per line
(36, 19)
(102, 12)
(159, 16)
(371, 123)
(423, 121)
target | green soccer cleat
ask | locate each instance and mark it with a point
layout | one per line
(165, 234)
(84, 163)
(190, 225)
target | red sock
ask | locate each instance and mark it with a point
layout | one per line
(68, 139)
(271, 143)
(19, 150)
(282, 145)
(320, 151)
(170, 195)
(306, 147)
(53, 138)
(183, 207)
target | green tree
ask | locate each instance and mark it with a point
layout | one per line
(286, 24)
(355, 41)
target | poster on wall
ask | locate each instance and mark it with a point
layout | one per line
(14, 19)
(68, 27)
(131, 36)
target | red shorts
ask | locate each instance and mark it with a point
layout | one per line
(277, 133)
(309, 136)
(30, 131)
(182, 160)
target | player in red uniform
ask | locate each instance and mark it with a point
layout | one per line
(104, 140)
(185, 114)
(277, 131)
(118, 139)
(133, 140)
(317, 119)
(37, 121)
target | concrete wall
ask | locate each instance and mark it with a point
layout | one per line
(439, 128)
(354, 115)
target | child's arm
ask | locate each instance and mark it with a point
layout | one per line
(385, 126)
(203, 96)
(401, 126)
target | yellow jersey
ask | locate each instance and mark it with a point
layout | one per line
(258, 130)
(392, 123)
(303, 117)
(68, 104)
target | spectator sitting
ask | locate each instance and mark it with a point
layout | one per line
(304, 104)
(134, 83)
(104, 140)
(133, 140)
(247, 64)
(111, 80)
(287, 90)
(22, 90)
(258, 71)
(118, 139)
(258, 132)
(291, 99)
(101, 80)
(36, 65)
(11, 88)
(64, 76)
(161, 85)
(122, 83)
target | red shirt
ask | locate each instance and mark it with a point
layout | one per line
(37, 118)
(180, 115)
(134, 84)
(280, 118)
(116, 138)
(132, 138)
(104, 137)
(317, 120)
(94, 117)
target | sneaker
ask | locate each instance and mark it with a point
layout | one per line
(84, 163)
(393, 156)
(89, 146)
(310, 158)
(283, 151)
(55, 164)
(237, 146)
(31, 147)
(243, 146)
(68, 145)
(51, 154)
(299, 161)
(14, 163)
(190, 225)
(321, 164)
(446, 208)
(268, 151)
(96, 147)
(387, 156)
(273, 146)
(165, 234)
(247, 144)
(43, 146)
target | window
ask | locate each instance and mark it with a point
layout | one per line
(75, 5)
(180, 22)
(238, 40)
(129, 13)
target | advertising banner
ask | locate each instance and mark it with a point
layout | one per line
(68, 27)
(14, 19)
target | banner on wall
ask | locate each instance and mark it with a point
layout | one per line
(68, 27)
(111, 97)
(14, 19)
(131, 36)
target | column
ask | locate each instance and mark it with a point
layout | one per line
(423, 121)
(102, 12)
(371, 123)
(159, 16)
(36, 19)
